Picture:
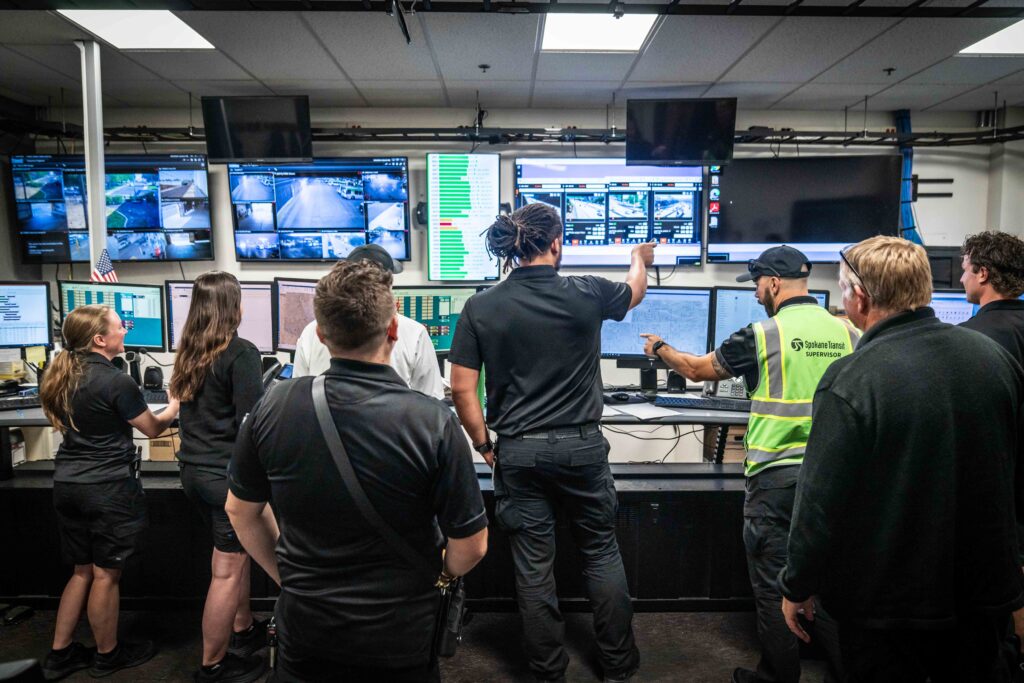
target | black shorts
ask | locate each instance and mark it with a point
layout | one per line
(100, 523)
(208, 490)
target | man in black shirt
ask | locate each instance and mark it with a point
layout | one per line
(538, 336)
(994, 278)
(350, 607)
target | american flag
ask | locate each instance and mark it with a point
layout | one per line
(104, 270)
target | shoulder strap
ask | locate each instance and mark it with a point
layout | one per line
(355, 489)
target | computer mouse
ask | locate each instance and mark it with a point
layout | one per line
(620, 396)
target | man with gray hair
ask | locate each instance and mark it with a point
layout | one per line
(904, 523)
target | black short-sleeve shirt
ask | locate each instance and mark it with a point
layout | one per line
(345, 594)
(1003, 322)
(209, 423)
(99, 447)
(738, 353)
(538, 337)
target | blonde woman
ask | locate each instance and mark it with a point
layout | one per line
(101, 507)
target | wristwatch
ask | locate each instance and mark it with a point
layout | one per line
(657, 347)
(485, 447)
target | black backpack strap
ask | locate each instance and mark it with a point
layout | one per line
(355, 489)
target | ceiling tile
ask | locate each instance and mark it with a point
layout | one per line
(913, 96)
(464, 41)
(827, 96)
(566, 66)
(402, 93)
(222, 88)
(573, 93)
(16, 65)
(983, 98)
(148, 94)
(910, 46)
(322, 93)
(37, 27)
(802, 47)
(68, 60)
(693, 49)
(969, 70)
(372, 46)
(41, 92)
(752, 95)
(270, 45)
(507, 94)
(204, 64)
(653, 90)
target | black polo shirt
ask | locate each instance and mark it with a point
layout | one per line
(538, 337)
(209, 423)
(1003, 322)
(345, 594)
(99, 448)
(738, 353)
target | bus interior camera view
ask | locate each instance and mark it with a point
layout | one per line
(320, 211)
(157, 207)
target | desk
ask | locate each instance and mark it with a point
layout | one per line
(30, 417)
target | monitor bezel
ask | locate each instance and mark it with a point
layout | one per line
(275, 309)
(30, 260)
(647, 361)
(127, 347)
(49, 312)
(314, 160)
(730, 288)
(172, 348)
(700, 212)
(430, 232)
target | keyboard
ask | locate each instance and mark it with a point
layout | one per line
(153, 396)
(19, 402)
(702, 403)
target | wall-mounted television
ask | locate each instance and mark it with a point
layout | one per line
(257, 129)
(680, 132)
(157, 207)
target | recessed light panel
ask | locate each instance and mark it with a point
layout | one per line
(138, 29)
(595, 32)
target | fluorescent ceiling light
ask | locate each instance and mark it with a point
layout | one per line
(138, 29)
(1009, 41)
(596, 32)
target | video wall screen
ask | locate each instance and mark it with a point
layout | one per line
(608, 207)
(157, 207)
(320, 211)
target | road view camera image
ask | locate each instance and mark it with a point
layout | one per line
(320, 210)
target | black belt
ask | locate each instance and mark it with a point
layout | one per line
(560, 433)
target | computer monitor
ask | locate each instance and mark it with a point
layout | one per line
(157, 207)
(737, 307)
(141, 308)
(25, 314)
(679, 315)
(680, 131)
(607, 208)
(293, 310)
(257, 323)
(951, 306)
(320, 211)
(438, 308)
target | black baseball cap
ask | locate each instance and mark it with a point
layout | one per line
(377, 254)
(784, 261)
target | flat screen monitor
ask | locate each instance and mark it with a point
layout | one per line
(257, 324)
(157, 207)
(816, 204)
(608, 207)
(320, 211)
(437, 308)
(141, 308)
(737, 307)
(462, 202)
(680, 132)
(952, 306)
(679, 315)
(293, 310)
(25, 315)
(257, 129)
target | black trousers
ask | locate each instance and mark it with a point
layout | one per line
(766, 537)
(535, 480)
(968, 653)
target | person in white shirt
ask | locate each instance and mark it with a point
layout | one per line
(413, 358)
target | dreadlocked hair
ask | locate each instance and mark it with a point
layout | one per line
(524, 235)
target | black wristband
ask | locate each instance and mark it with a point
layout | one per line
(657, 347)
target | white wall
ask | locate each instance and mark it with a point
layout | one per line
(942, 221)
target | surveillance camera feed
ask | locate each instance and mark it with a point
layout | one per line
(157, 207)
(320, 211)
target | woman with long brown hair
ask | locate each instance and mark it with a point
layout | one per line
(101, 508)
(217, 376)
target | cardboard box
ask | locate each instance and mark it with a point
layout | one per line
(162, 448)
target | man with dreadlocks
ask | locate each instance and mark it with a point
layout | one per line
(538, 335)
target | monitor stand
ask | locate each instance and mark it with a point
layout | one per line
(648, 368)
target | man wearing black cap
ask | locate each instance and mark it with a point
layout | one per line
(781, 361)
(413, 359)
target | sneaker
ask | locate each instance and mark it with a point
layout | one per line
(620, 678)
(61, 663)
(124, 656)
(741, 675)
(250, 641)
(232, 669)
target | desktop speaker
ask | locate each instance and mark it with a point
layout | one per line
(153, 379)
